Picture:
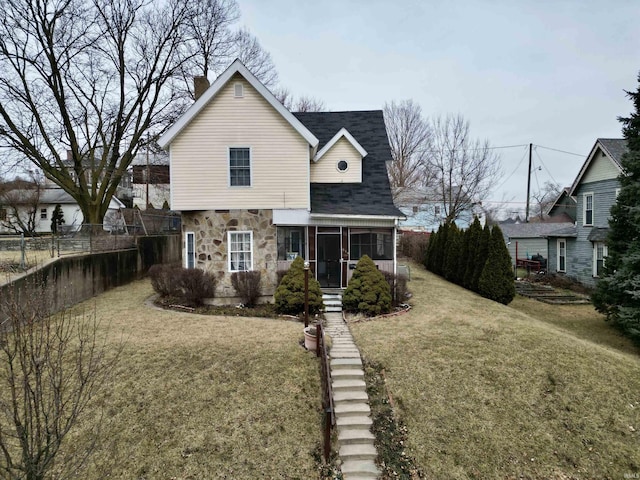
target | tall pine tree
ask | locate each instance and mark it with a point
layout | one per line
(618, 292)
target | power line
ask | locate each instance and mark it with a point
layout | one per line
(562, 151)
(524, 154)
(476, 149)
(545, 167)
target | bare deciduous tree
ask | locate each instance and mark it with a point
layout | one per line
(300, 104)
(410, 138)
(543, 199)
(52, 368)
(82, 82)
(464, 169)
(20, 201)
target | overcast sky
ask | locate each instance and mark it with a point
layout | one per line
(551, 73)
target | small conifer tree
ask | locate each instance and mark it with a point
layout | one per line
(289, 296)
(367, 292)
(452, 257)
(482, 251)
(474, 237)
(57, 218)
(496, 281)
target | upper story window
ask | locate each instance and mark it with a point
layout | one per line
(342, 166)
(436, 209)
(43, 213)
(238, 90)
(588, 209)
(240, 167)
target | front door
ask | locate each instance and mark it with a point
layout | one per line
(329, 254)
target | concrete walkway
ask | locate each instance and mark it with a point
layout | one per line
(353, 415)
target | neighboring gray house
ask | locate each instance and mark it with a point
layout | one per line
(524, 240)
(580, 252)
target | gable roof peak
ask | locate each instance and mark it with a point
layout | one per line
(342, 133)
(236, 67)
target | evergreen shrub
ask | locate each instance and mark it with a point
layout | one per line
(289, 296)
(367, 292)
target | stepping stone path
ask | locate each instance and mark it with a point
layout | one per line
(353, 415)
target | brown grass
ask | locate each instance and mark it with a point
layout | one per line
(488, 391)
(199, 397)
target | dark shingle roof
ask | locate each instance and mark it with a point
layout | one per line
(598, 234)
(373, 195)
(615, 147)
(534, 230)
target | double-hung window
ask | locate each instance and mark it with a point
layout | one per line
(600, 252)
(240, 251)
(588, 209)
(239, 167)
(562, 255)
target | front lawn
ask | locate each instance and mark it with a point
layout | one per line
(493, 391)
(198, 397)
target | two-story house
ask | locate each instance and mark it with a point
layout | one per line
(425, 210)
(258, 186)
(581, 250)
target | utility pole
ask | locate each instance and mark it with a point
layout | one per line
(526, 215)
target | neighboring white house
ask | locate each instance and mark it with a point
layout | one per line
(425, 210)
(37, 206)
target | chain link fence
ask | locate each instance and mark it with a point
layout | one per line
(117, 232)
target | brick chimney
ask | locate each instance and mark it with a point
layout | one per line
(200, 85)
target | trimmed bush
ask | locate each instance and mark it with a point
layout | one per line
(398, 287)
(164, 279)
(289, 296)
(454, 252)
(473, 232)
(247, 286)
(496, 281)
(367, 292)
(195, 285)
(482, 253)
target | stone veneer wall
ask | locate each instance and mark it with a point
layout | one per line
(211, 227)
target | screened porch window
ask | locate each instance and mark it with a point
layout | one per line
(377, 244)
(291, 242)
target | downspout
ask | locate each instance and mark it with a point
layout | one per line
(395, 253)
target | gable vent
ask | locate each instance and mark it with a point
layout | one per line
(238, 90)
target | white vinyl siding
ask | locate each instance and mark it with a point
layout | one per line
(562, 255)
(279, 156)
(587, 217)
(325, 170)
(189, 250)
(240, 245)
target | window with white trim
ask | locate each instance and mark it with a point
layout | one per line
(43, 213)
(240, 246)
(587, 218)
(238, 90)
(239, 166)
(600, 252)
(562, 255)
(190, 250)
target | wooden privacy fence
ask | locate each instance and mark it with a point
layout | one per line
(327, 393)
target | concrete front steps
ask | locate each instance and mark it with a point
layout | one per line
(332, 300)
(351, 403)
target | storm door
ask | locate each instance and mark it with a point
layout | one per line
(329, 264)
